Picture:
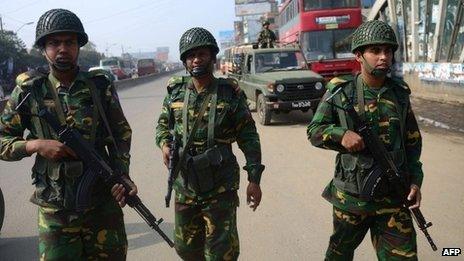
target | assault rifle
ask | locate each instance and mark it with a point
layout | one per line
(96, 168)
(384, 167)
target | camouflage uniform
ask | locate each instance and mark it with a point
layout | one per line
(206, 221)
(389, 112)
(56, 182)
(266, 38)
(65, 234)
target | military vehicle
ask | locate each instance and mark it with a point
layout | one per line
(276, 80)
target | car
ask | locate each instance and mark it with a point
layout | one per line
(146, 67)
(118, 67)
(277, 80)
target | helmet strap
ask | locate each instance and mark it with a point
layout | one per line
(377, 73)
(60, 66)
(200, 70)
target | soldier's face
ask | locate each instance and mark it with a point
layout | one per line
(62, 48)
(377, 56)
(200, 57)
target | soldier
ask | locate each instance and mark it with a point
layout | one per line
(266, 37)
(89, 103)
(206, 189)
(383, 101)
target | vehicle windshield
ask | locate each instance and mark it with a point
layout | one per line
(329, 4)
(279, 61)
(145, 63)
(328, 44)
(110, 63)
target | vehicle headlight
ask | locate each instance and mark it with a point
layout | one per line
(319, 86)
(280, 88)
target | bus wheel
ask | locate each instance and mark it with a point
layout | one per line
(2, 209)
(264, 114)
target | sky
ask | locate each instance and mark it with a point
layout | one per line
(132, 25)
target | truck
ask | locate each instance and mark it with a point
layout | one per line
(277, 80)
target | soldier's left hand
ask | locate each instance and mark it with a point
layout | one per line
(118, 191)
(415, 194)
(253, 195)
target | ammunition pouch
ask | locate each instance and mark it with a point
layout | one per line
(201, 170)
(361, 176)
(72, 172)
(56, 182)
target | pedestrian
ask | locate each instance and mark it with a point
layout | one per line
(266, 37)
(87, 102)
(383, 101)
(206, 197)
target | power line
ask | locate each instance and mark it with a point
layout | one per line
(22, 7)
(136, 24)
(13, 19)
(121, 12)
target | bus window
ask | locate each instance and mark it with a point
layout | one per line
(329, 4)
(315, 47)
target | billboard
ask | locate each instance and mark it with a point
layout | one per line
(241, 2)
(252, 9)
(226, 36)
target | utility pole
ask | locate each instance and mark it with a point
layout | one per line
(1, 24)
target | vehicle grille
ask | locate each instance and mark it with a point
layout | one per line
(293, 93)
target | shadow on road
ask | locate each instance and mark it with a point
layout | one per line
(19, 248)
(297, 118)
(141, 235)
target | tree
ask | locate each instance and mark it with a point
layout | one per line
(89, 56)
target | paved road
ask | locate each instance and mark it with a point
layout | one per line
(293, 222)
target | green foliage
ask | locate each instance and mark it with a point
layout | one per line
(89, 57)
(11, 46)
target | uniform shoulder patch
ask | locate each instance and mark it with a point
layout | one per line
(102, 74)
(338, 80)
(27, 78)
(176, 81)
(232, 83)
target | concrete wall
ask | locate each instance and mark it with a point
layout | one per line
(434, 81)
(437, 91)
(141, 80)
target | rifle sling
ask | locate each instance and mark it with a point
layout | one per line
(187, 142)
(97, 101)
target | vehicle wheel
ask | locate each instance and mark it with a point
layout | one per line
(2, 209)
(264, 114)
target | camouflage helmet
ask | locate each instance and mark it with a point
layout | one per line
(59, 21)
(266, 22)
(194, 38)
(373, 32)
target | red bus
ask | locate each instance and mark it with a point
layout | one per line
(323, 29)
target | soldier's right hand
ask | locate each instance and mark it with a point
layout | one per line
(352, 142)
(50, 149)
(166, 150)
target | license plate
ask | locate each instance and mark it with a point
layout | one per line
(301, 104)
